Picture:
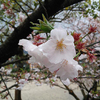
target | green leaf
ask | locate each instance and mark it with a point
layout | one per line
(35, 28)
(44, 19)
(43, 26)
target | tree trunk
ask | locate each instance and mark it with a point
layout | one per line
(18, 95)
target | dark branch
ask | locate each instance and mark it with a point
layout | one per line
(12, 62)
(6, 86)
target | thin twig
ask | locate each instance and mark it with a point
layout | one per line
(94, 84)
(8, 23)
(92, 44)
(84, 87)
(59, 86)
(43, 8)
(5, 96)
(27, 5)
(6, 87)
(12, 62)
(21, 8)
(71, 92)
(98, 76)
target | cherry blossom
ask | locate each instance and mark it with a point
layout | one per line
(3, 6)
(8, 71)
(91, 57)
(2, 69)
(56, 54)
(60, 46)
(9, 12)
(27, 45)
(36, 55)
(80, 45)
(97, 48)
(67, 69)
(66, 82)
(22, 17)
(76, 36)
(51, 81)
(82, 56)
(92, 29)
(27, 75)
(21, 83)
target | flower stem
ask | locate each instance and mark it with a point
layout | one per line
(84, 36)
(77, 54)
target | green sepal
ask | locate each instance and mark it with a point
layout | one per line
(43, 26)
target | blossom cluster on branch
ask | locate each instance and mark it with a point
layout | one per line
(57, 54)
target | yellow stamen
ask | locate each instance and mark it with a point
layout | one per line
(65, 62)
(60, 45)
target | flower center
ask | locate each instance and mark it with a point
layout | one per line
(60, 45)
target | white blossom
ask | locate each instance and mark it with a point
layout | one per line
(33, 50)
(97, 48)
(56, 54)
(8, 71)
(82, 56)
(21, 84)
(2, 69)
(27, 75)
(2, 6)
(66, 69)
(8, 12)
(22, 17)
(27, 45)
(60, 46)
(66, 82)
(36, 69)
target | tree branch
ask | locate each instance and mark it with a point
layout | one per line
(12, 62)
(6, 86)
(21, 8)
(10, 46)
(8, 23)
(71, 92)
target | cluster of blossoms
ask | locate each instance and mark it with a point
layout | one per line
(81, 45)
(21, 17)
(21, 83)
(94, 95)
(6, 71)
(37, 39)
(5, 6)
(8, 11)
(57, 54)
(77, 41)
